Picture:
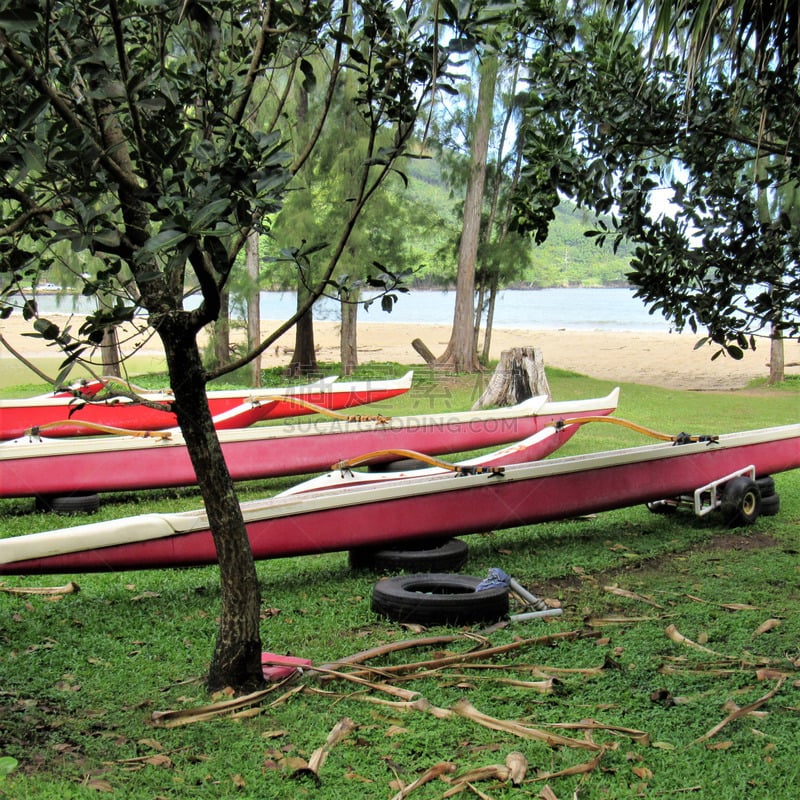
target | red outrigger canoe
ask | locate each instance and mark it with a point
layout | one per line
(414, 507)
(63, 413)
(32, 466)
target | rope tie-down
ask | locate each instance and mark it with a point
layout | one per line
(680, 438)
(36, 430)
(297, 401)
(461, 469)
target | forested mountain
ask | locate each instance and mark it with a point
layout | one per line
(566, 258)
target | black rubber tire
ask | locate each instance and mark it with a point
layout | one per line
(770, 505)
(69, 504)
(766, 486)
(661, 507)
(740, 503)
(439, 599)
(434, 555)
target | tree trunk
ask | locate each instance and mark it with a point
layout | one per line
(519, 375)
(348, 336)
(304, 358)
(777, 361)
(221, 332)
(461, 352)
(253, 306)
(237, 653)
(109, 349)
(487, 338)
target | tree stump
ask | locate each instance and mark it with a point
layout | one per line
(519, 375)
(423, 350)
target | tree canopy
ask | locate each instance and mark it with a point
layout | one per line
(622, 130)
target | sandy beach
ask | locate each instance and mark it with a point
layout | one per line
(665, 360)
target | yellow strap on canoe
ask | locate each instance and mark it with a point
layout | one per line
(417, 456)
(96, 426)
(681, 438)
(379, 418)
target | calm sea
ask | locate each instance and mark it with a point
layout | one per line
(543, 309)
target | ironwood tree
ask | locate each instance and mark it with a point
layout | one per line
(127, 132)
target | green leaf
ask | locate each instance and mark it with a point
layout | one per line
(211, 212)
(7, 766)
(47, 329)
(164, 240)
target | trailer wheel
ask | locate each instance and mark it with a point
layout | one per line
(741, 501)
(69, 504)
(766, 486)
(439, 599)
(428, 555)
(662, 506)
(770, 505)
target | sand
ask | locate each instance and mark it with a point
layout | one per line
(666, 360)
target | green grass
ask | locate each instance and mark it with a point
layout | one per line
(83, 673)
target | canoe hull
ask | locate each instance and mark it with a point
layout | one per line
(91, 465)
(421, 508)
(234, 409)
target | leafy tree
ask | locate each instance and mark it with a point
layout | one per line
(127, 134)
(610, 125)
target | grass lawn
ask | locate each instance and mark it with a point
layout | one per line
(674, 669)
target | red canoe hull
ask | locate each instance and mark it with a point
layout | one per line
(255, 453)
(253, 406)
(525, 494)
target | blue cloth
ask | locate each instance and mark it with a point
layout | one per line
(494, 579)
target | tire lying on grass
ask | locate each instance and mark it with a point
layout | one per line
(69, 504)
(429, 555)
(439, 599)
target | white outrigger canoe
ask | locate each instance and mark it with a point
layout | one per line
(37, 467)
(415, 508)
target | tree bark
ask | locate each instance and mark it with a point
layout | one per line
(237, 653)
(777, 361)
(519, 375)
(461, 352)
(348, 336)
(492, 302)
(222, 332)
(304, 358)
(253, 306)
(111, 356)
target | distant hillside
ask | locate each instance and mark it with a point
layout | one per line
(566, 258)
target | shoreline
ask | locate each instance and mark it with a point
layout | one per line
(667, 360)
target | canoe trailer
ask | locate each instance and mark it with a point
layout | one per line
(737, 495)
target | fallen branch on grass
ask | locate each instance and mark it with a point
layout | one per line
(186, 716)
(677, 637)
(740, 712)
(576, 769)
(67, 588)
(472, 655)
(631, 595)
(465, 709)
(343, 728)
(640, 737)
(436, 771)
(394, 647)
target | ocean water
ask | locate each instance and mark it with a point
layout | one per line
(613, 309)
